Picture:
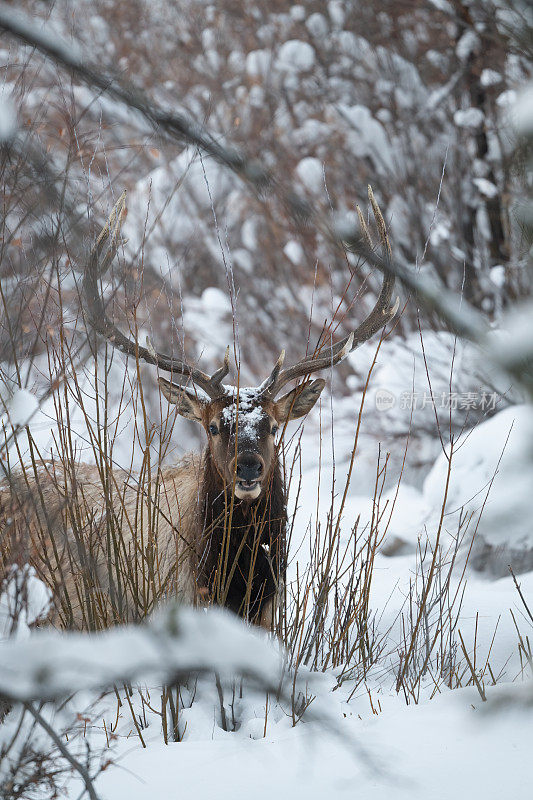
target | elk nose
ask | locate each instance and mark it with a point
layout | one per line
(249, 467)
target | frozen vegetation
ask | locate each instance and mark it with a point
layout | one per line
(403, 666)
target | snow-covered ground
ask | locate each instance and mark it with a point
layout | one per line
(439, 703)
(372, 741)
(447, 747)
(374, 744)
(364, 734)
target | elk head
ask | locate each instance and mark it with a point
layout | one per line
(241, 424)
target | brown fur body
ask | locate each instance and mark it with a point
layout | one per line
(121, 548)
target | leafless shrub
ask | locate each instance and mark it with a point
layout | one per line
(326, 619)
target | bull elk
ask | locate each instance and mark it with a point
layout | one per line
(212, 527)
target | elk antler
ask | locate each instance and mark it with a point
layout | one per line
(97, 265)
(380, 315)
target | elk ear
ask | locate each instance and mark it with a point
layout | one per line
(188, 403)
(300, 401)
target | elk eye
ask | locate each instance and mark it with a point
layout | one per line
(213, 430)
(274, 430)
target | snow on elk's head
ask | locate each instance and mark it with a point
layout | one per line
(241, 425)
(241, 428)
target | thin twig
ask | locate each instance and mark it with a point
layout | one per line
(65, 752)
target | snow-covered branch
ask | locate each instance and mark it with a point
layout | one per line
(431, 294)
(176, 642)
(176, 125)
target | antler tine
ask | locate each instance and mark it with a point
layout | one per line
(97, 265)
(380, 315)
(266, 387)
(220, 374)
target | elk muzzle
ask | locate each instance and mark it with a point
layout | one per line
(249, 469)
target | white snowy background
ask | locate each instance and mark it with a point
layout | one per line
(331, 96)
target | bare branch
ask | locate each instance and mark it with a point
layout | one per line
(381, 314)
(429, 293)
(65, 752)
(98, 263)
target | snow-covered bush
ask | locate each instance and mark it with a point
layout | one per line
(417, 101)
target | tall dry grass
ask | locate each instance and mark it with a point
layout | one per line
(102, 412)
